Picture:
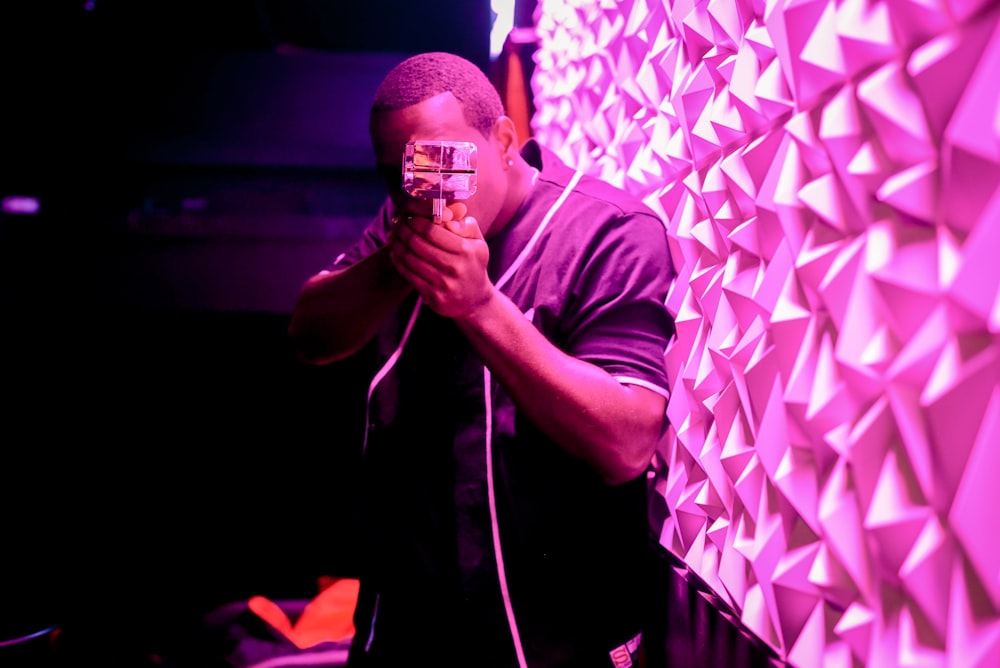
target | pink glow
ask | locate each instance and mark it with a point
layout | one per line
(830, 176)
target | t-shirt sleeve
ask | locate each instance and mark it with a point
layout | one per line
(618, 318)
(372, 238)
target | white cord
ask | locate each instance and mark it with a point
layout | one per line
(386, 368)
(488, 394)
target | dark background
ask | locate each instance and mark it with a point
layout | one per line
(163, 451)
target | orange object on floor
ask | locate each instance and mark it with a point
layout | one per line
(327, 617)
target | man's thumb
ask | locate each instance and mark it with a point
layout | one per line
(466, 227)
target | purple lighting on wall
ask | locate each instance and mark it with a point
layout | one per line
(20, 205)
(830, 176)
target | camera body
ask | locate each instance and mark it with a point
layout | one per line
(440, 171)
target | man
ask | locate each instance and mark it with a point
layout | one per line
(517, 398)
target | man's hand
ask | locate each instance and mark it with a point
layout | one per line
(445, 263)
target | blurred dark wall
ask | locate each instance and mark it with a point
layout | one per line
(195, 161)
(214, 141)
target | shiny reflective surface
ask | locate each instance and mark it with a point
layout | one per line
(440, 169)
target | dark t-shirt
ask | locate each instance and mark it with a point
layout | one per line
(592, 276)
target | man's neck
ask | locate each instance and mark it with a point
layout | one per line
(522, 180)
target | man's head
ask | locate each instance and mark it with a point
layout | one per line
(441, 96)
(428, 74)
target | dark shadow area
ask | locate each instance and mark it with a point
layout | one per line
(166, 464)
(194, 162)
(690, 627)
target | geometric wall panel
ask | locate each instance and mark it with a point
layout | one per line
(829, 171)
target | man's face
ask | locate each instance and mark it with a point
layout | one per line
(439, 118)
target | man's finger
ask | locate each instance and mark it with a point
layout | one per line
(472, 228)
(465, 227)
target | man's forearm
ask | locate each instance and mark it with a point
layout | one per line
(577, 404)
(338, 312)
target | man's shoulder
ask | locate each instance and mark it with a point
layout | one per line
(595, 188)
(589, 190)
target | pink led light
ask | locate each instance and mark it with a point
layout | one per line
(830, 176)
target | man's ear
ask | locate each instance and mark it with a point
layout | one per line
(506, 134)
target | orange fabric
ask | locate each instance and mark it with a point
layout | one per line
(271, 613)
(517, 95)
(327, 617)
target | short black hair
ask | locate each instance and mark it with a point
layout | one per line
(425, 75)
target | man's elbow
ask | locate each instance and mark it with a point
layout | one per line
(314, 359)
(634, 452)
(632, 455)
(629, 465)
(308, 349)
